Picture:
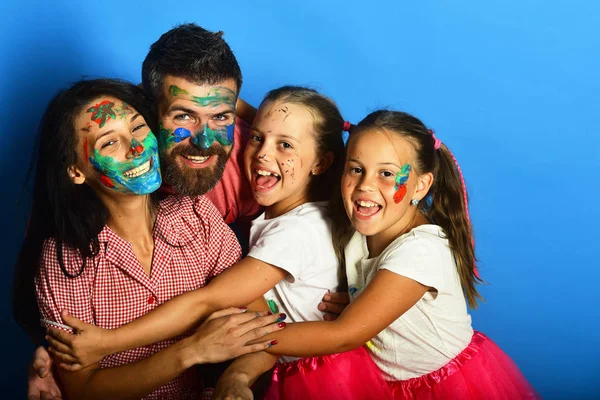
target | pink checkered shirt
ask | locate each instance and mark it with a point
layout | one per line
(192, 244)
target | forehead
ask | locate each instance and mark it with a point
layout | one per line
(180, 89)
(284, 118)
(380, 145)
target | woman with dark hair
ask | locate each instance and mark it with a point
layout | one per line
(100, 245)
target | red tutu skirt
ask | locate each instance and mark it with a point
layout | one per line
(481, 371)
(351, 375)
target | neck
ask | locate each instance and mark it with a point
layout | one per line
(131, 217)
(380, 241)
(286, 205)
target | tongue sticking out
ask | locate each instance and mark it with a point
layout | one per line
(367, 210)
(266, 181)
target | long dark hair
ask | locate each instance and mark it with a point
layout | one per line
(446, 201)
(328, 125)
(71, 214)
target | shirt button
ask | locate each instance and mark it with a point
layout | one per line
(151, 300)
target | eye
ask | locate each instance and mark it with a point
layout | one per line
(355, 170)
(256, 138)
(138, 127)
(285, 145)
(221, 117)
(387, 174)
(182, 117)
(107, 144)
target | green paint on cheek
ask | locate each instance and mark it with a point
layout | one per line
(176, 90)
(166, 138)
(112, 168)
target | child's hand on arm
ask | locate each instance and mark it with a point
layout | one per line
(241, 374)
(333, 305)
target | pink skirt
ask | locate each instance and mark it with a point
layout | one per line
(351, 375)
(481, 371)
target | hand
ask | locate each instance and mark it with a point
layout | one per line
(233, 387)
(226, 334)
(73, 352)
(41, 384)
(333, 305)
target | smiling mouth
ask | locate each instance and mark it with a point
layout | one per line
(197, 161)
(366, 208)
(138, 171)
(265, 180)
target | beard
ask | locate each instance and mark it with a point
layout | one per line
(188, 181)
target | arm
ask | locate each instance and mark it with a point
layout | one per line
(242, 373)
(245, 111)
(385, 299)
(241, 284)
(221, 337)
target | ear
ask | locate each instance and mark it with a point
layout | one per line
(323, 163)
(424, 182)
(76, 175)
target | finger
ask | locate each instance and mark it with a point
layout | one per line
(260, 327)
(337, 297)
(334, 308)
(227, 311)
(77, 324)
(61, 357)
(330, 317)
(70, 367)
(253, 348)
(59, 346)
(62, 336)
(41, 366)
(240, 319)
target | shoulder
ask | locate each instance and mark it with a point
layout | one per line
(427, 241)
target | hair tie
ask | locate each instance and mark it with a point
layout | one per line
(436, 142)
(347, 126)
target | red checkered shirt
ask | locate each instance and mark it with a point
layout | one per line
(192, 244)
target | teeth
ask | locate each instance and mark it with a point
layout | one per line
(265, 173)
(367, 204)
(141, 170)
(197, 158)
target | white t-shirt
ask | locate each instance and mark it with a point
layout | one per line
(438, 327)
(298, 242)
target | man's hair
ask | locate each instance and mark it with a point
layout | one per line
(191, 52)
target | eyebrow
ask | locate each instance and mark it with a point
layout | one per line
(181, 108)
(282, 135)
(134, 117)
(105, 133)
(386, 163)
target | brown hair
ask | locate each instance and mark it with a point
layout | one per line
(327, 127)
(445, 203)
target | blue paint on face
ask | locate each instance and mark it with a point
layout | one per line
(181, 134)
(231, 132)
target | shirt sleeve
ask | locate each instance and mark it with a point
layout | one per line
(55, 291)
(418, 259)
(222, 245)
(286, 244)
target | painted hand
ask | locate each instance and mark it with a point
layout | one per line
(333, 305)
(73, 352)
(226, 334)
(41, 384)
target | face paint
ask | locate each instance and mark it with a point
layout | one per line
(105, 110)
(125, 176)
(207, 136)
(168, 138)
(220, 96)
(400, 184)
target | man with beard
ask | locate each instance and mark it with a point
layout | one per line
(195, 80)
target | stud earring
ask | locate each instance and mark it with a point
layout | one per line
(414, 202)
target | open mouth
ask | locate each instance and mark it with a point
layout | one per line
(196, 161)
(138, 171)
(265, 180)
(366, 209)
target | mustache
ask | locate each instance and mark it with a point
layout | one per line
(191, 150)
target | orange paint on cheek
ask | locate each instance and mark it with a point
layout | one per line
(86, 154)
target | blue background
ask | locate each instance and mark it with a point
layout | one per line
(510, 86)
